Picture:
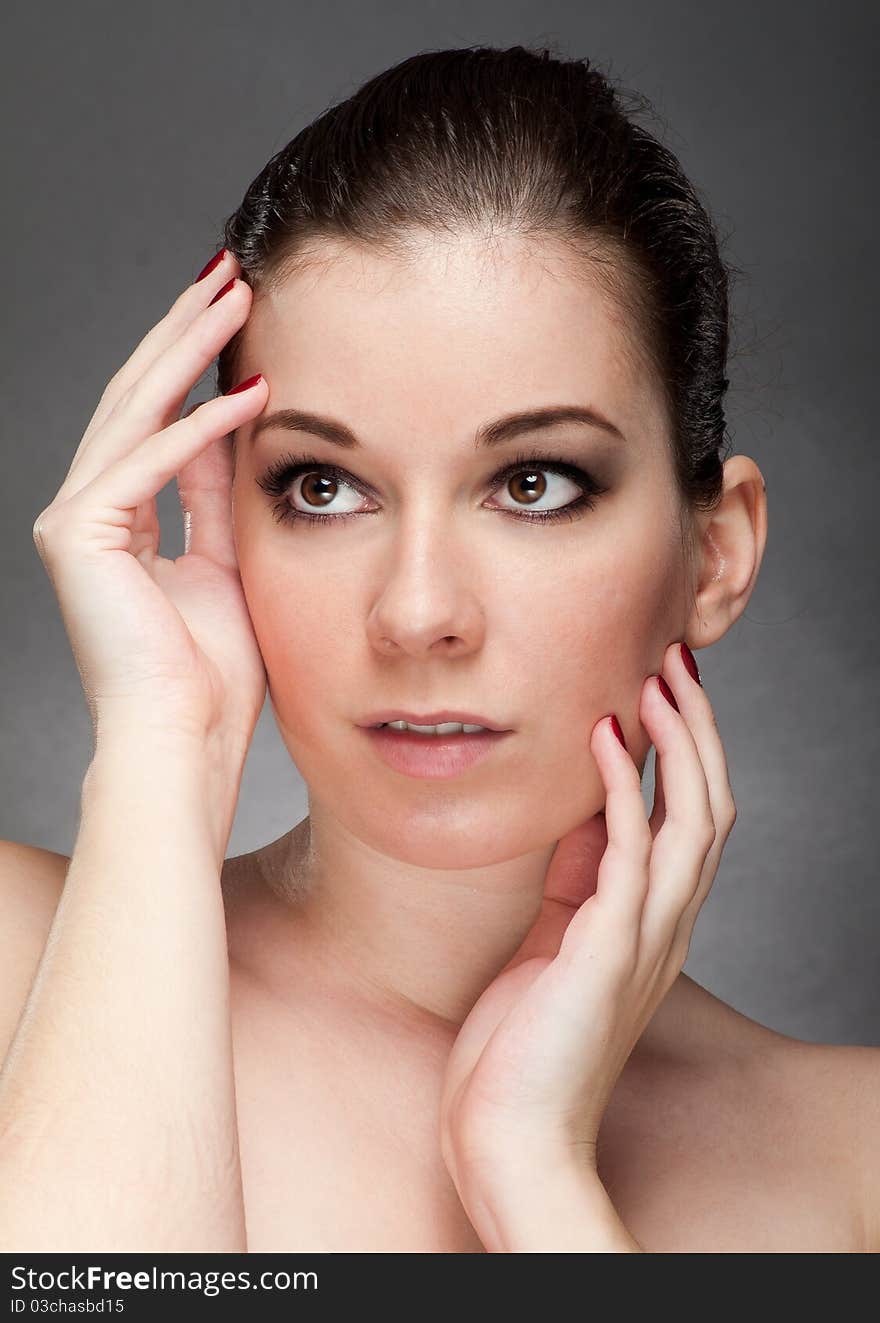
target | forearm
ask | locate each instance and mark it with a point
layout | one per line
(117, 1101)
(549, 1206)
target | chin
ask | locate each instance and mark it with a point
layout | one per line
(445, 833)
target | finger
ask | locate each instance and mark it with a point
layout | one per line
(570, 880)
(155, 398)
(204, 486)
(622, 875)
(186, 307)
(103, 509)
(688, 831)
(696, 708)
(571, 876)
(146, 532)
(658, 811)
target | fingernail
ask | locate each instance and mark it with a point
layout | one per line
(616, 727)
(214, 262)
(667, 692)
(246, 385)
(688, 658)
(224, 290)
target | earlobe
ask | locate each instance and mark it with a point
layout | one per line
(730, 547)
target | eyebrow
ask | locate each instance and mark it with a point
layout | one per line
(489, 434)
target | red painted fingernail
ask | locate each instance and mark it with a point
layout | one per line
(225, 290)
(688, 658)
(616, 727)
(214, 262)
(246, 385)
(667, 692)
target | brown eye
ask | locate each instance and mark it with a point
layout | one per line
(527, 486)
(307, 489)
(317, 490)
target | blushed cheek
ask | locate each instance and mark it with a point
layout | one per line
(306, 642)
(648, 614)
(573, 647)
(601, 638)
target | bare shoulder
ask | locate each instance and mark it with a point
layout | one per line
(31, 883)
(819, 1102)
(841, 1083)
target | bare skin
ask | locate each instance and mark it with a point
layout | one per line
(359, 941)
(722, 1135)
(367, 933)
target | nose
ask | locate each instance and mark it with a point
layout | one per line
(429, 600)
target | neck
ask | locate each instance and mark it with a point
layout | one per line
(416, 941)
(415, 946)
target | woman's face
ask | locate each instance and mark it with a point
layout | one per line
(543, 627)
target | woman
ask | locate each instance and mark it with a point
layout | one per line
(471, 473)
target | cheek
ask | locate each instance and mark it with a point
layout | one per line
(574, 637)
(305, 639)
(572, 643)
(599, 629)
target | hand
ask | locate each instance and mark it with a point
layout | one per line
(162, 643)
(535, 1063)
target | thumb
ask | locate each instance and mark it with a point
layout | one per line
(572, 877)
(204, 487)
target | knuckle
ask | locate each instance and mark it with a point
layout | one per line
(724, 812)
(116, 390)
(636, 845)
(139, 396)
(681, 946)
(204, 338)
(707, 833)
(199, 416)
(42, 527)
(643, 845)
(114, 385)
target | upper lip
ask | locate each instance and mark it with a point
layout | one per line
(429, 718)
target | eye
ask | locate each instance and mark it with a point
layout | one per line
(319, 489)
(320, 498)
(524, 479)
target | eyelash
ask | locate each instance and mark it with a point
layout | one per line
(279, 476)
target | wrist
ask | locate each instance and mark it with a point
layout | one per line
(167, 773)
(545, 1201)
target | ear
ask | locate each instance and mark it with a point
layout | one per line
(729, 547)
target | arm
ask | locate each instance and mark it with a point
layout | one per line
(117, 1103)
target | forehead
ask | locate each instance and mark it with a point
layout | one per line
(462, 327)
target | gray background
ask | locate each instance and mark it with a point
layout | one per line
(130, 132)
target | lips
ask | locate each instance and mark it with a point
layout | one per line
(430, 718)
(434, 756)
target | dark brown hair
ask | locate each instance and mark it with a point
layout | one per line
(513, 140)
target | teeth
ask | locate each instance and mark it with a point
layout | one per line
(445, 728)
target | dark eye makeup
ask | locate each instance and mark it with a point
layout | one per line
(277, 479)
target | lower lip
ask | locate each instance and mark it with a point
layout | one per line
(435, 756)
